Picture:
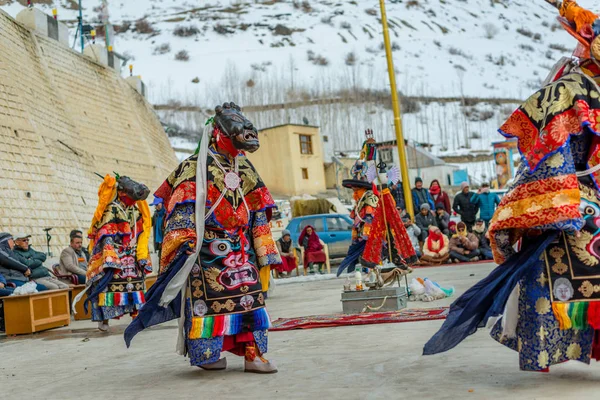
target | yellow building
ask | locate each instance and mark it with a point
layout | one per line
(290, 160)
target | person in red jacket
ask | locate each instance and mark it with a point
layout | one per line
(313, 249)
(439, 196)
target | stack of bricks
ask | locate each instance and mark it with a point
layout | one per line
(62, 118)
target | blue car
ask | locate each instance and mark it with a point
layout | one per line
(335, 230)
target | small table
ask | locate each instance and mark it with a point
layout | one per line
(29, 313)
(81, 314)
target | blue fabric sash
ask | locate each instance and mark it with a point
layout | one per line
(152, 313)
(98, 287)
(487, 298)
(354, 253)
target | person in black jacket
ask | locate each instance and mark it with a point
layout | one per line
(465, 207)
(424, 219)
(398, 195)
(14, 271)
(34, 260)
(442, 219)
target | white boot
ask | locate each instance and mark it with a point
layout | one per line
(260, 366)
(103, 326)
(254, 363)
(218, 365)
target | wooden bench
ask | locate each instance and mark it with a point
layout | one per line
(29, 313)
(150, 280)
(81, 315)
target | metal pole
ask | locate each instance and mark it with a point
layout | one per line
(81, 25)
(397, 114)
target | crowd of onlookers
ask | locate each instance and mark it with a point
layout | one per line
(436, 238)
(21, 263)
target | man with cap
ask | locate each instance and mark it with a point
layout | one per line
(158, 224)
(424, 220)
(286, 251)
(421, 195)
(34, 260)
(13, 271)
(464, 205)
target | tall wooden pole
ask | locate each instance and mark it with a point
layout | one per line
(397, 115)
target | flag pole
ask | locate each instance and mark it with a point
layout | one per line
(397, 114)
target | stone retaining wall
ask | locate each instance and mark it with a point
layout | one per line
(62, 118)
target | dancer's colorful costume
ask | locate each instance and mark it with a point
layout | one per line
(547, 293)
(375, 217)
(217, 248)
(119, 260)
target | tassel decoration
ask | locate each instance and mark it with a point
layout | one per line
(593, 317)
(578, 315)
(231, 324)
(561, 314)
(577, 15)
(111, 299)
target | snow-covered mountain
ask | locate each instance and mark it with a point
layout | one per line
(273, 51)
(485, 48)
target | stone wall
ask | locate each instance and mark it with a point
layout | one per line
(62, 118)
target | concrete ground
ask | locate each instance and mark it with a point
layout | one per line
(354, 362)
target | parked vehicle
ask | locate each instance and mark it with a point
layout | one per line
(335, 230)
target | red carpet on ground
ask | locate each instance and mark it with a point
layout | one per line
(452, 264)
(333, 320)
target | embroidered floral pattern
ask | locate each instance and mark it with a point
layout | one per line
(539, 341)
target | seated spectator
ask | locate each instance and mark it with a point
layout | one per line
(451, 228)
(480, 230)
(424, 220)
(436, 249)
(313, 249)
(78, 233)
(464, 246)
(73, 260)
(442, 219)
(413, 233)
(286, 250)
(14, 272)
(5, 287)
(34, 260)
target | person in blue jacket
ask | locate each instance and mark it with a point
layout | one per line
(487, 203)
(4, 289)
(421, 195)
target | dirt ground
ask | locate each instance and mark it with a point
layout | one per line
(354, 362)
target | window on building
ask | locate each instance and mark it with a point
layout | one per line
(306, 144)
(386, 156)
(325, 139)
(304, 173)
